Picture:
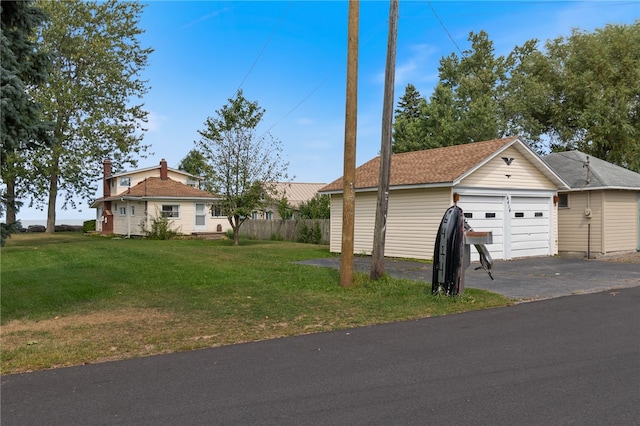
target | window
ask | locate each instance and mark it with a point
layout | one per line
(519, 214)
(563, 200)
(132, 210)
(216, 211)
(489, 215)
(125, 181)
(268, 215)
(169, 210)
(468, 215)
(123, 211)
(254, 215)
(200, 214)
(538, 214)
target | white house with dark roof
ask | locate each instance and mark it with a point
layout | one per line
(501, 185)
(600, 212)
(132, 199)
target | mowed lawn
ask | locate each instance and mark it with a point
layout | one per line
(69, 299)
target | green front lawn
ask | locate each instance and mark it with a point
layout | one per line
(69, 298)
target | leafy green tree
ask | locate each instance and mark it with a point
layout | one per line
(595, 93)
(196, 164)
(284, 209)
(92, 97)
(247, 166)
(24, 65)
(316, 208)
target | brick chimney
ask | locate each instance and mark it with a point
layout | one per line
(106, 172)
(163, 169)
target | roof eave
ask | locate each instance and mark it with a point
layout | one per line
(394, 187)
(601, 188)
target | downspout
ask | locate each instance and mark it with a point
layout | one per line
(128, 220)
(588, 209)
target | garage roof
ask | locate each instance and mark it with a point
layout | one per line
(444, 166)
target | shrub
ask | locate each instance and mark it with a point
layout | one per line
(89, 225)
(160, 229)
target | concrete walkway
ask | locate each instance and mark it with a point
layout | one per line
(523, 279)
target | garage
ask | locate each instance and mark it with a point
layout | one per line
(521, 225)
(501, 185)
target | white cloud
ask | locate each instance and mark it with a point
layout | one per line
(415, 67)
(154, 121)
(304, 121)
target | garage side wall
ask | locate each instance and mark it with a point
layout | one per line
(412, 222)
(578, 233)
(620, 220)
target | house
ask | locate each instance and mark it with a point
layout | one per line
(296, 193)
(600, 213)
(131, 200)
(501, 185)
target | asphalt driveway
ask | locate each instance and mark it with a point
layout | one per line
(523, 279)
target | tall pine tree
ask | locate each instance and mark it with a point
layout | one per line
(24, 66)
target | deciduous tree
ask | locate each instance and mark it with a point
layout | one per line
(247, 165)
(595, 93)
(92, 97)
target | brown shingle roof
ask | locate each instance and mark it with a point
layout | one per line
(439, 165)
(158, 188)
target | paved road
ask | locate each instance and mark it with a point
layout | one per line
(532, 278)
(568, 360)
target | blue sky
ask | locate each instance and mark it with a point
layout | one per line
(290, 57)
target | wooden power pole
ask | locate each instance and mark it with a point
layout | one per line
(350, 126)
(380, 229)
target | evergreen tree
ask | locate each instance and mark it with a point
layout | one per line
(407, 126)
(24, 66)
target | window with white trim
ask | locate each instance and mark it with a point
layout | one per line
(171, 211)
(216, 211)
(200, 214)
(125, 181)
(122, 211)
(132, 210)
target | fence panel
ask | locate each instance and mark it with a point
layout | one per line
(287, 230)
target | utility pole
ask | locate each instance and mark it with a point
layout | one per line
(350, 126)
(382, 206)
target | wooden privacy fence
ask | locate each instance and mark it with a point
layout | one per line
(314, 231)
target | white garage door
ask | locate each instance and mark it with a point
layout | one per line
(485, 213)
(520, 225)
(529, 227)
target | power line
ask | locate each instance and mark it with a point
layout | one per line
(263, 48)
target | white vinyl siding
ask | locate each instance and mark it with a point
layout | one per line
(519, 174)
(412, 222)
(620, 220)
(576, 232)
